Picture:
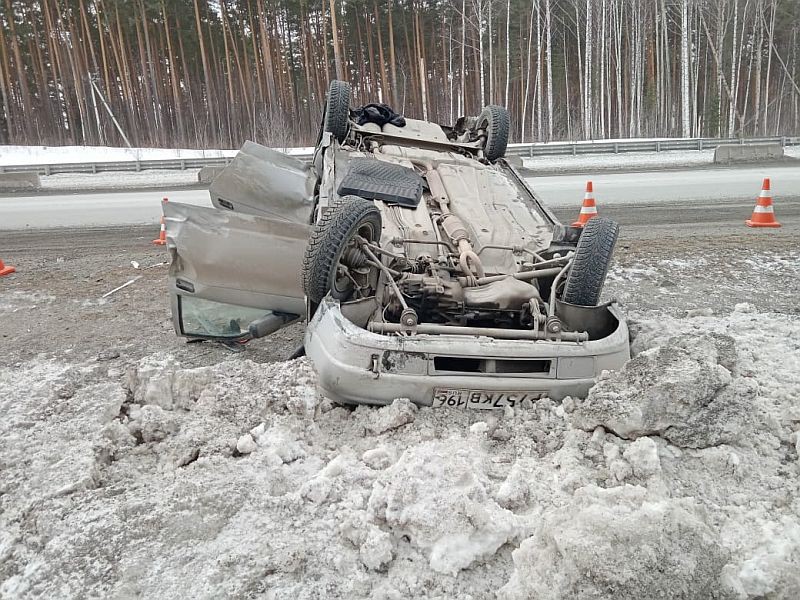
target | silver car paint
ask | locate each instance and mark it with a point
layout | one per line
(252, 256)
(264, 182)
(236, 258)
(355, 365)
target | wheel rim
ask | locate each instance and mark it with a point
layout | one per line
(483, 125)
(348, 267)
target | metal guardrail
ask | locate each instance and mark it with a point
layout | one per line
(522, 150)
(173, 164)
(623, 146)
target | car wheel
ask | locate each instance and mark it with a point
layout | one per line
(495, 121)
(337, 110)
(592, 259)
(333, 262)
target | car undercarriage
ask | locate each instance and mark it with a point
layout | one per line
(406, 234)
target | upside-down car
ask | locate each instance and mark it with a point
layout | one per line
(425, 265)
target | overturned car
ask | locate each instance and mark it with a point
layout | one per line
(426, 267)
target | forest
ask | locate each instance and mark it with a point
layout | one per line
(213, 73)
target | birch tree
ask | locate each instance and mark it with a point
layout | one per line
(685, 101)
(549, 60)
(203, 73)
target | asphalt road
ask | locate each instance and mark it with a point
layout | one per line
(668, 186)
(691, 197)
(91, 209)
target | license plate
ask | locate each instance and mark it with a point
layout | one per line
(480, 399)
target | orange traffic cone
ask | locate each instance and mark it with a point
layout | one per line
(6, 269)
(763, 215)
(162, 236)
(589, 208)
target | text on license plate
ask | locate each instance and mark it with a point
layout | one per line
(480, 399)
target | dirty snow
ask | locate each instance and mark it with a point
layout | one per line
(120, 180)
(42, 155)
(16, 300)
(678, 478)
(707, 279)
(625, 160)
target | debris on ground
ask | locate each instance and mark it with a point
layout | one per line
(121, 287)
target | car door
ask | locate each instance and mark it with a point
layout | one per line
(233, 273)
(261, 181)
(239, 264)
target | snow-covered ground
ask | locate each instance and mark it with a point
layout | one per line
(676, 478)
(627, 160)
(631, 160)
(36, 155)
(120, 180)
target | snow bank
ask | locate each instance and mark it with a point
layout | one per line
(617, 540)
(120, 180)
(36, 155)
(437, 496)
(685, 390)
(144, 478)
(626, 160)
(39, 155)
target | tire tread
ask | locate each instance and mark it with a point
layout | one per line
(337, 109)
(327, 239)
(592, 259)
(498, 123)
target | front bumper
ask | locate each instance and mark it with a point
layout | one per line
(356, 366)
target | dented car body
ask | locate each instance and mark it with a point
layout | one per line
(426, 267)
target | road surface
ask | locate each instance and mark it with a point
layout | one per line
(79, 209)
(668, 186)
(687, 196)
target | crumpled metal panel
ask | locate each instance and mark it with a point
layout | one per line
(261, 181)
(236, 258)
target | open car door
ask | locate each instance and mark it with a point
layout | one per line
(233, 276)
(261, 181)
(236, 268)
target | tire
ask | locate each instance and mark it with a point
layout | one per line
(337, 110)
(347, 216)
(496, 122)
(592, 259)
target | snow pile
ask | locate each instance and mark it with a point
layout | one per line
(686, 391)
(444, 480)
(623, 161)
(618, 539)
(792, 151)
(142, 478)
(120, 180)
(42, 155)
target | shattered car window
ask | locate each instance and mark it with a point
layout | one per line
(202, 317)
